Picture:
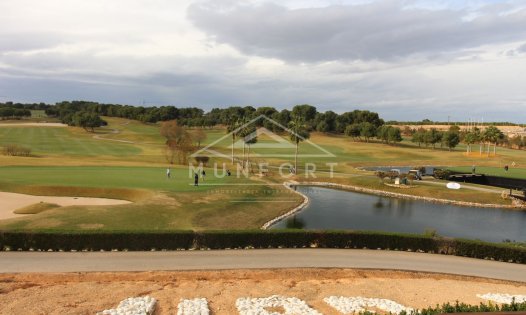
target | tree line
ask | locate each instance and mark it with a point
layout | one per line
(14, 113)
(490, 136)
(314, 120)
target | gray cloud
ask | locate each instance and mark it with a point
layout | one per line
(382, 30)
(13, 41)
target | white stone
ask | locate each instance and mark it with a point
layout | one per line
(349, 305)
(198, 306)
(257, 306)
(133, 306)
(502, 298)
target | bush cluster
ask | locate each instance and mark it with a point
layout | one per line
(441, 174)
(459, 307)
(16, 150)
(173, 240)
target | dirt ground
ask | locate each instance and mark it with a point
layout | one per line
(88, 293)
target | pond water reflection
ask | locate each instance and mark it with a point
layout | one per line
(336, 209)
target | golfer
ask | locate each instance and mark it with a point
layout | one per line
(168, 173)
(203, 174)
(196, 179)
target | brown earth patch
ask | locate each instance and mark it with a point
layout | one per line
(87, 293)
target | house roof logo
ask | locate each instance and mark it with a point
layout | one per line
(274, 146)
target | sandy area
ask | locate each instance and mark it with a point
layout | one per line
(11, 201)
(87, 293)
(33, 124)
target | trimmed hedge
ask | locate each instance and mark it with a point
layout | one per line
(95, 241)
(174, 240)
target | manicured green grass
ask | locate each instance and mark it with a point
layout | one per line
(173, 204)
(513, 172)
(147, 148)
(62, 141)
(149, 178)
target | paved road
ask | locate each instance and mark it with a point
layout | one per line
(266, 258)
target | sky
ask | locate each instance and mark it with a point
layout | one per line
(405, 59)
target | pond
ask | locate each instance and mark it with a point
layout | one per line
(337, 209)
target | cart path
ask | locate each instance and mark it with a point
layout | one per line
(15, 262)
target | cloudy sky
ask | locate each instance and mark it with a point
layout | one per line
(405, 59)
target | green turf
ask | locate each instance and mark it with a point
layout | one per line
(512, 172)
(62, 141)
(150, 178)
(218, 203)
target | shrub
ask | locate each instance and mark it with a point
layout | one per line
(459, 307)
(441, 174)
(16, 150)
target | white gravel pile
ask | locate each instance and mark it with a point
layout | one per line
(349, 305)
(259, 306)
(133, 306)
(198, 306)
(502, 298)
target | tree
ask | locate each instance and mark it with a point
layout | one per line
(492, 134)
(198, 135)
(307, 112)
(367, 130)
(394, 134)
(233, 126)
(298, 134)
(322, 126)
(477, 136)
(419, 137)
(470, 138)
(451, 139)
(382, 133)
(249, 137)
(353, 131)
(242, 131)
(432, 136)
(178, 141)
(88, 121)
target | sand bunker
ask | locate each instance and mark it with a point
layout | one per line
(33, 124)
(9, 202)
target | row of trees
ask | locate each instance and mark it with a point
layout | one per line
(14, 113)
(87, 120)
(328, 121)
(367, 131)
(487, 137)
(452, 137)
(433, 136)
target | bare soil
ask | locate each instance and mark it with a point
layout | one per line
(88, 293)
